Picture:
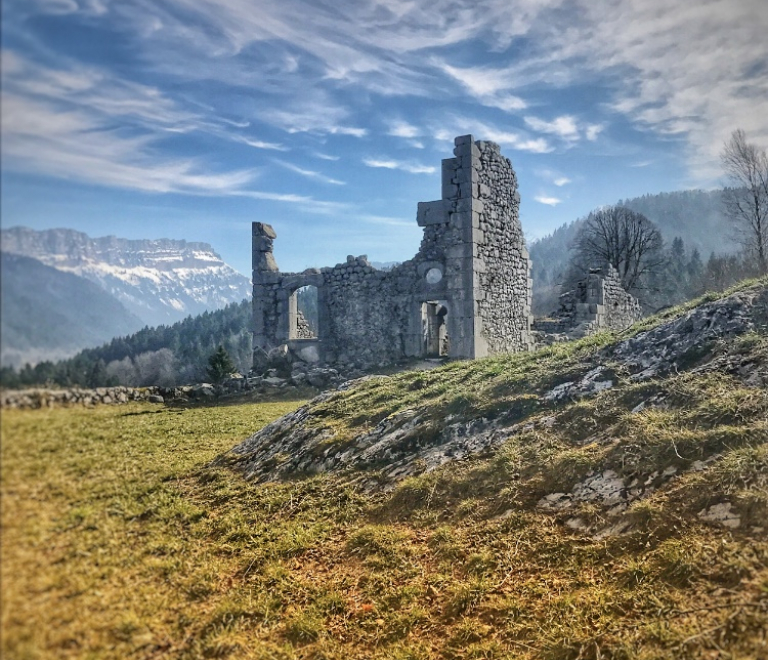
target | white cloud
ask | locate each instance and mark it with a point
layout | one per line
(553, 176)
(566, 127)
(592, 131)
(389, 164)
(694, 71)
(563, 126)
(490, 86)
(691, 70)
(321, 117)
(403, 129)
(305, 202)
(310, 174)
(549, 201)
(260, 144)
(458, 125)
(388, 221)
(323, 156)
(41, 139)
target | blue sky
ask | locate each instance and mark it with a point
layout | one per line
(327, 119)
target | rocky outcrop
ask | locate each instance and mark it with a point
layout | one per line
(410, 442)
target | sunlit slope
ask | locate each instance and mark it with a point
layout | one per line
(607, 499)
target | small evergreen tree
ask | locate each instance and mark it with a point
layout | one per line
(220, 366)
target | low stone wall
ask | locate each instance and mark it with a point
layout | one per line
(302, 376)
(44, 398)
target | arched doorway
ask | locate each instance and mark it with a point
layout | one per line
(304, 317)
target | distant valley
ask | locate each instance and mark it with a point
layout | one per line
(106, 287)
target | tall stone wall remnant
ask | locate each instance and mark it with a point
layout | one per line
(465, 294)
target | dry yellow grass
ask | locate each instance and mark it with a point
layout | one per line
(118, 542)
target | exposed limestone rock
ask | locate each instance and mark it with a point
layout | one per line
(721, 514)
(408, 442)
(677, 344)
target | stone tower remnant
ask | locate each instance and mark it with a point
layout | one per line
(465, 294)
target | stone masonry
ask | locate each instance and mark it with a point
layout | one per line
(465, 294)
(598, 302)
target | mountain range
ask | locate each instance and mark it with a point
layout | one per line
(133, 283)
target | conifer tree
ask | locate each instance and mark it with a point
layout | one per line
(220, 366)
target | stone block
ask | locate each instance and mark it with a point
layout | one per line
(433, 213)
(265, 261)
(463, 139)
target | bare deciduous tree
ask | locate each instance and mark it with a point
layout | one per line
(746, 203)
(627, 240)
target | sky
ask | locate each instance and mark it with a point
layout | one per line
(328, 119)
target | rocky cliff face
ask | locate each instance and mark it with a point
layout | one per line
(160, 281)
(617, 418)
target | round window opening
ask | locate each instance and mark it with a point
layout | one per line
(434, 275)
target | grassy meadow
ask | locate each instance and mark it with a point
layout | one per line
(119, 540)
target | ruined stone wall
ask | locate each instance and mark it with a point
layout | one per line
(465, 293)
(367, 313)
(598, 302)
(503, 290)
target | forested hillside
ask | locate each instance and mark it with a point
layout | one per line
(694, 217)
(50, 314)
(164, 355)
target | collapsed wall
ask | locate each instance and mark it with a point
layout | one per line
(598, 302)
(465, 294)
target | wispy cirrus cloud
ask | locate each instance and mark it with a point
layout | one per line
(305, 202)
(556, 178)
(489, 86)
(321, 116)
(687, 73)
(261, 144)
(83, 124)
(456, 125)
(566, 127)
(391, 164)
(403, 129)
(73, 145)
(387, 221)
(563, 126)
(310, 174)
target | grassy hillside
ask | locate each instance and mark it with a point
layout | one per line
(121, 539)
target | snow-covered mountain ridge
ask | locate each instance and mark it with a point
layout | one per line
(160, 281)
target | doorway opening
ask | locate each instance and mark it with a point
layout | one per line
(304, 317)
(436, 342)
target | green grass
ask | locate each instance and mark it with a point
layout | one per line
(120, 540)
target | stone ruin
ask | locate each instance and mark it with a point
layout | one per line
(598, 302)
(465, 294)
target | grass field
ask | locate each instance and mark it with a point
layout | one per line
(118, 542)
